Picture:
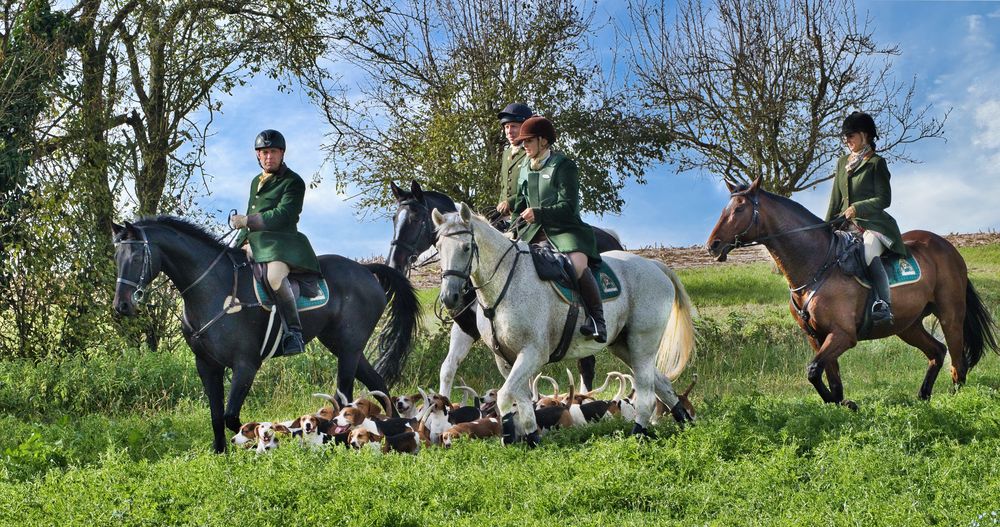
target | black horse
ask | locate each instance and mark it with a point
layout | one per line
(413, 234)
(210, 275)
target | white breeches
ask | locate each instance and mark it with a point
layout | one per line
(873, 246)
(276, 271)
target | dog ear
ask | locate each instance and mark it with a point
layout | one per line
(282, 428)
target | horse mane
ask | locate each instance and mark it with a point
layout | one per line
(789, 203)
(187, 227)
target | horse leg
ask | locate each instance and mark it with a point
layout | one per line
(211, 381)
(835, 343)
(952, 321)
(243, 375)
(516, 390)
(458, 348)
(587, 366)
(832, 370)
(349, 350)
(919, 338)
(644, 369)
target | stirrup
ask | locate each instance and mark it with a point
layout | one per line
(881, 313)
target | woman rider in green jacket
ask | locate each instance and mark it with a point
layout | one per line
(269, 233)
(861, 193)
(548, 200)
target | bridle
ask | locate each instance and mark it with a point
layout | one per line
(755, 222)
(424, 232)
(139, 293)
(466, 273)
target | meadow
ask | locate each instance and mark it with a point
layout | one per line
(123, 438)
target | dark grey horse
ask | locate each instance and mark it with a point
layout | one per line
(414, 234)
(207, 273)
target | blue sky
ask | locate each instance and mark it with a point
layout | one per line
(951, 48)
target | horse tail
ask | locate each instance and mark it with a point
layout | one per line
(400, 327)
(978, 328)
(678, 341)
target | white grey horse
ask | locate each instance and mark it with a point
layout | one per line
(649, 325)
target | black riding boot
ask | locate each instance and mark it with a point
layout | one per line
(284, 301)
(594, 327)
(881, 311)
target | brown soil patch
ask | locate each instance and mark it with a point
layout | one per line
(697, 256)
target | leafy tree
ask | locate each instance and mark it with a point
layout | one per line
(432, 76)
(759, 88)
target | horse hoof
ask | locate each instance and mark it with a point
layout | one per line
(533, 439)
(850, 404)
(641, 432)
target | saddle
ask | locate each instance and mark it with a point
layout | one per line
(310, 289)
(553, 266)
(850, 252)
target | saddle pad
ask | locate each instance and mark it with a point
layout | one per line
(303, 303)
(901, 271)
(607, 282)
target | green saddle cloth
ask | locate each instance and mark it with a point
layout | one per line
(607, 282)
(303, 303)
(901, 271)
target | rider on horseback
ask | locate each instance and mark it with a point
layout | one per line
(513, 155)
(861, 193)
(268, 231)
(548, 200)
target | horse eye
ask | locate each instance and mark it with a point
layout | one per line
(739, 208)
(466, 247)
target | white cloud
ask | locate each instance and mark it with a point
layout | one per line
(987, 118)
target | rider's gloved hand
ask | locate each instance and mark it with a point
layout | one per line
(238, 221)
(503, 207)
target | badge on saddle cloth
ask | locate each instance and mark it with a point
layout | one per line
(901, 271)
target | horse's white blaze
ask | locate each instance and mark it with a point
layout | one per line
(529, 320)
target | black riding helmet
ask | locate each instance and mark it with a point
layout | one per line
(515, 112)
(859, 122)
(269, 139)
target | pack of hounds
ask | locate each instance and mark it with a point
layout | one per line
(407, 423)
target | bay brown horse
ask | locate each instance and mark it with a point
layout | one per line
(829, 305)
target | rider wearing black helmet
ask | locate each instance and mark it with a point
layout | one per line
(268, 231)
(861, 193)
(511, 119)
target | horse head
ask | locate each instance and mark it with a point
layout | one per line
(457, 248)
(138, 263)
(412, 234)
(738, 219)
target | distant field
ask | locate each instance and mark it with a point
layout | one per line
(124, 440)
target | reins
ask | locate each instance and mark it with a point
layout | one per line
(818, 278)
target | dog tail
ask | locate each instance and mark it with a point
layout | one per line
(678, 340)
(386, 402)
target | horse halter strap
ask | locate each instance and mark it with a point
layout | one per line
(424, 228)
(755, 220)
(147, 270)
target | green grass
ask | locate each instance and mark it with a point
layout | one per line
(124, 440)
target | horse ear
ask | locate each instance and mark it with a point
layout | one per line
(116, 229)
(437, 217)
(755, 186)
(416, 190)
(396, 191)
(464, 212)
(729, 184)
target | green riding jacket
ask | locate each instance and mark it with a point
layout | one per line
(867, 189)
(273, 234)
(510, 168)
(554, 192)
